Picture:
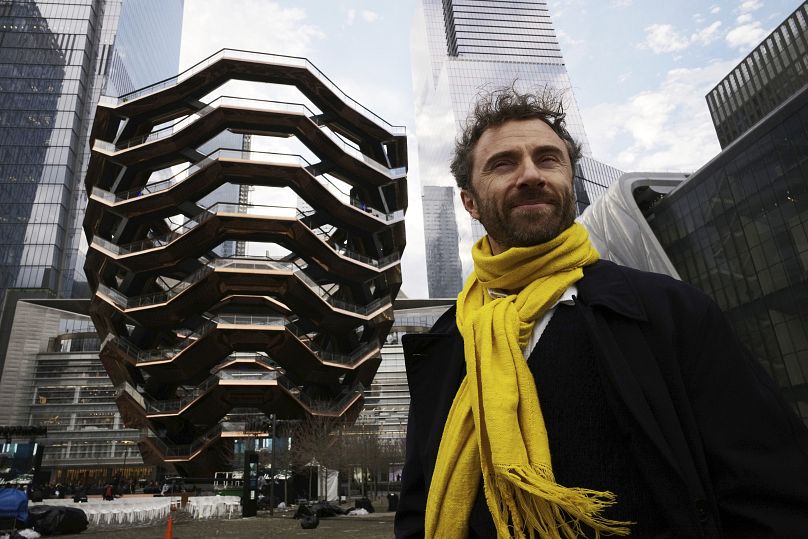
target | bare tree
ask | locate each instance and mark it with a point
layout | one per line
(393, 451)
(356, 452)
(361, 452)
(315, 443)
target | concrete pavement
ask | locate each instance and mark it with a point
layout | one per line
(373, 526)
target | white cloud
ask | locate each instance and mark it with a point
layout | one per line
(745, 36)
(620, 3)
(577, 8)
(365, 14)
(707, 35)
(750, 5)
(665, 129)
(369, 16)
(664, 38)
(380, 98)
(567, 39)
(747, 32)
(282, 30)
(714, 10)
(413, 262)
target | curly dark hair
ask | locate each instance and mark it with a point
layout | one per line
(502, 105)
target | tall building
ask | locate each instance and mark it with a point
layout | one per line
(459, 49)
(56, 58)
(53, 378)
(738, 227)
(387, 400)
(440, 225)
(771, 73)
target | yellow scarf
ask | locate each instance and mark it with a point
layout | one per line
(495, 427)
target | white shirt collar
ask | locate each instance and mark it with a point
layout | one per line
(567, 297)
(541, 324)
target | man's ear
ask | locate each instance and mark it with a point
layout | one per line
(469, 203)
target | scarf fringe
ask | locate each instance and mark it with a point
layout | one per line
(533, 503)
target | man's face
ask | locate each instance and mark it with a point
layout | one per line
(521, 184)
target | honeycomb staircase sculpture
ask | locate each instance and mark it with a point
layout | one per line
(190, 337)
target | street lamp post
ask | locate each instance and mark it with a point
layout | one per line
(125, 444)
(272, 477)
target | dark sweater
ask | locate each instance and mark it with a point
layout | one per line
(586, 448)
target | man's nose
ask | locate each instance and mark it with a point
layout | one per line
(530, 175)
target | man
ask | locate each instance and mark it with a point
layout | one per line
(566, 396)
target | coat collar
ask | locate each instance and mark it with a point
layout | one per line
(605, 284)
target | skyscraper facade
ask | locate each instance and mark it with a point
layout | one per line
(441, 251)
(739, 231)
(771, 73)
(55, 60)
(53, 378)
(459, 49)
(738, 227)
(387, 400)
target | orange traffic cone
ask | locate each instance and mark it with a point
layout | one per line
(169, 533)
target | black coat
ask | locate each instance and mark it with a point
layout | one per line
(723, 454)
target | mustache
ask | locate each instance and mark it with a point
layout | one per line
(539, 196)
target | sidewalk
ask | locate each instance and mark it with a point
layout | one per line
(373, 526)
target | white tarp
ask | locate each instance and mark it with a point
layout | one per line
(327, 481)
(331, 481)
(618, 229)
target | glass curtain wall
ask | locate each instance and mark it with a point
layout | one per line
(772, 72)
(55, 59)
(738, 229)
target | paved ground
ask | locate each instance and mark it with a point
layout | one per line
(373, 526)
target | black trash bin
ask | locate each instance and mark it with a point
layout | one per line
(364, 503)
(392, 502)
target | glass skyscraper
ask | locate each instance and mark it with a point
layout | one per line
(55, 60)
(771, 73)
(738, 227)
(441, 251)
(459, 49)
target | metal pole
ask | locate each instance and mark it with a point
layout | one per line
(123, 468)
(272, 473)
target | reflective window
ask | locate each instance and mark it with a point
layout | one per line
(745, 243)
(773, 71)
(48, 86)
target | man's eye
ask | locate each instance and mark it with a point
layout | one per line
(500, 164)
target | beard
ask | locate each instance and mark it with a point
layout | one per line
(513, 226)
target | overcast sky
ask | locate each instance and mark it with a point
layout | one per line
(639, 69)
